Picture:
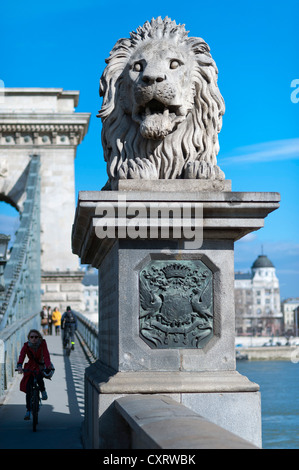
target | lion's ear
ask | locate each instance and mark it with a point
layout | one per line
(199, 46)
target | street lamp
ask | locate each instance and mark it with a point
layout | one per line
(4, 239)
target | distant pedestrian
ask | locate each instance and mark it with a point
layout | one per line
(69, 323)
(36, 350)
(44, 320)
(56, 319)
(50, 324)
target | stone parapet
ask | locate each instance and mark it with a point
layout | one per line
(172, 426)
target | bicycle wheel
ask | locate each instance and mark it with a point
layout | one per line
(34, 408)
(67, 343)
(68, 347)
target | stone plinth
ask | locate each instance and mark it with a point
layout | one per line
(145, 346)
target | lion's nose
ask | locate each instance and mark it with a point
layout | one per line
(150, 79)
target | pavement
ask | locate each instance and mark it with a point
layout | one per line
(60, 417)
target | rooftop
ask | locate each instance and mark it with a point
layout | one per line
(262, 261)
(241, 276)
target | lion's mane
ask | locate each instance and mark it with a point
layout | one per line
(190, 150)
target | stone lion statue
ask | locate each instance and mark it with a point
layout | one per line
(162, 109)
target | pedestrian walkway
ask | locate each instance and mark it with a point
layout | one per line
(60, 417)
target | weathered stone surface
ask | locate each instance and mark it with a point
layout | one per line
(161, 116)
(175, 426)
(227, 215)
(121, 346)
(177, 185)
(225, 398)
(131, 382)
(128, 365)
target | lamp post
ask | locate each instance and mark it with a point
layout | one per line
(4, 239)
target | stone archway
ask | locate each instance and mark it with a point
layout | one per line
(42, 121)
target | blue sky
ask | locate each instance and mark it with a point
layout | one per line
(64, 44)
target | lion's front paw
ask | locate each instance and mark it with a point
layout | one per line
(203, 170)
(138, 169)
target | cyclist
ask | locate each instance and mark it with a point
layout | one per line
(69, 324)
(36, 350)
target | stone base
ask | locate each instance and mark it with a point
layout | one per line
(61, 289)
(225, 398)
(174, 185)
(131, 273)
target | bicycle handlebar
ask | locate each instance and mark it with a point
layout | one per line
(33, 371)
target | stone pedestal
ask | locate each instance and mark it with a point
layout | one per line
(180, 340)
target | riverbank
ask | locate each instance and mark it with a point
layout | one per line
(261, 348)
(271, 353)
(259, 341)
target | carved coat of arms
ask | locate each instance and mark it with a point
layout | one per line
(176, 304)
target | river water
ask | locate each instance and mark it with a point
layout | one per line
(279, 386)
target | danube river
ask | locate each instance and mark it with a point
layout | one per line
(279, 386)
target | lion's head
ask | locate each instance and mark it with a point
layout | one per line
(162, 109)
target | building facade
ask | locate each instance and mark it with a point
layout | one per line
(90, 293)
(290, 317)
(257, 300)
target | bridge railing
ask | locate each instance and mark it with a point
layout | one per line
(22, 274)
(12, 339)
(20, 301)
(89, 335)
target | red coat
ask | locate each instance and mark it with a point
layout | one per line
(41, 355)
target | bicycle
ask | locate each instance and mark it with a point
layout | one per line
(35, 400)
(68, 344)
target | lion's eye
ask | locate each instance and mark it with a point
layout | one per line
(137, 67)
(174, 64)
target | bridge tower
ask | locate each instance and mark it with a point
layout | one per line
(42, 121)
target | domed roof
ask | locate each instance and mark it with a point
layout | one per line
(262, 261)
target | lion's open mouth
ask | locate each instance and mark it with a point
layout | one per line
(157, 107)
(157, 119)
